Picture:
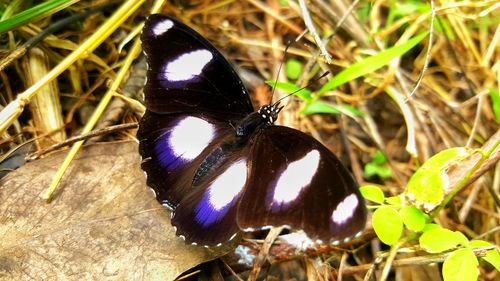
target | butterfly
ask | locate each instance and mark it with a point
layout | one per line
(221, 166)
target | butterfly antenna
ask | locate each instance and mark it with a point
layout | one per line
(288, 44)
(300, 89)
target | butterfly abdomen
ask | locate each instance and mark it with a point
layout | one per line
(212, 162)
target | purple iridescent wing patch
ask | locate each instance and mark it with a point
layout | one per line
(172, 147)
(208, 214)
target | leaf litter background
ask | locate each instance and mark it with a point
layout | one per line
(102, 224)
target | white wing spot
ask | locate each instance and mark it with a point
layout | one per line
(228, 185)
(187, 66)
(162, 27)
(296, 177)
(190, 136)
(345, 209)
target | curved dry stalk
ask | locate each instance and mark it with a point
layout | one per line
(428, 52)
(312, 29)
(69, 141)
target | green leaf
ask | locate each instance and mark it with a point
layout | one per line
(370, 64)
(429, 185)
(387, 224)
(445, 158)
(430, 226)
(319, 107)
(394, 200)
(377, 166)
(495, 102)
(372, 169)
(373, 193)
(304, 94)
(463, 240)
(406, 8)
(461, 265)
(413, 218)
(440, 239)
(348, 109)
(379, 158)
(33, 13)
(425, 189)
(492, 256)
(293, 69)
(384, 172)
(316, 107)
(283, 3)
(445, 27)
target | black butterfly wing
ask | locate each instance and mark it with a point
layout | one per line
(172, 147)
(189, 86)
(186, 73)
(296, 181)
(207, 214)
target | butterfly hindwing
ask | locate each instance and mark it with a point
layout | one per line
(295, 181)
(186, 73)
(207, 214)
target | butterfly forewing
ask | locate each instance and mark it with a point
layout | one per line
(188, 74)
(173, 146)
(295, 181)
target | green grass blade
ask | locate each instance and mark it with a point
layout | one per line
(11, 9)
(302, 93)
(34, 13)
(371, 64)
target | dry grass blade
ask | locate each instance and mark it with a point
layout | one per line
(46, 106)
(14, 109)
(91, 123)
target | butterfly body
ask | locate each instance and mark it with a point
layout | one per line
(223, 167)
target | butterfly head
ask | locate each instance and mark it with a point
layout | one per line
(263, 117)
(270, 112)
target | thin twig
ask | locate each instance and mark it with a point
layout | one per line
(312, 29)
(427, 54)
(413, 261)
(477, 118)
(390, 259)
(344, 16)
(91, 134)
(231, 270)
(264, 251)
(266, 9)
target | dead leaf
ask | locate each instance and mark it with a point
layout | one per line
(103, 223)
